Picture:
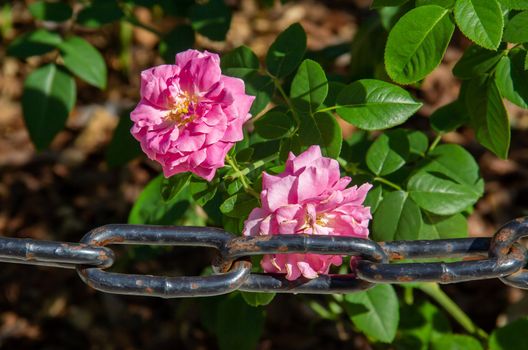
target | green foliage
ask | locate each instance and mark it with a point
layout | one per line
(211, 18)
(375, 312)
(83, 60)
(481, 21)
(50, 11)
(34, 43)
(287, 51)
(388, 153)
(510, 336)
(309, 87)
(49, 96)
(397, 217)
(374, 105)
(123, 147)
(409, 58)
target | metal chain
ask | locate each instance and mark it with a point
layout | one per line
(500, 256)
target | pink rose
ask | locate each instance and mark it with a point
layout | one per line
(309, 197)
(190, 115)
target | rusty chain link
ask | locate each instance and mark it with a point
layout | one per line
(500, 256)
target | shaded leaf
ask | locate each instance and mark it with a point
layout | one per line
(511, 78)
(48, 97)
(177, 40)
(34, 43)
(321, 129)
(476, 61)
(123, 147)
(488, 116)
(99, 13)
(274, 124)
(287, 51)
(211, 19)
(510, 336)
(50, 11)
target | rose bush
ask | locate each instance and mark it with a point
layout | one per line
(190, 115)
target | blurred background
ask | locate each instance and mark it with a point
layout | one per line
(92, 173)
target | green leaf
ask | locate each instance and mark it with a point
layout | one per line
(457, 164)
(34, 43)
(287, 51)
(476, 61)
(511, 78)
(443, 227)
(418, 144)
(50, 11)
(99, 13)
(309, 87)
(481, 21)
(172, 186)
(150, 209)
(374, 197)
(384, 3)
(514, 4)
(516, 30)
(448, 4)
(123, 147)
(388, 153)
(381, 320)
(239, 205)
(241, 57)
(211, 19)
(366, 51)
(396, 218)
(420, 324)
(438, 195)
(236, 318)
(258, 299)
(456, 342)
(83, 60)
(374, 104)
(48, 97)
(177, 40)
(275, 124)
(334, 89)
(321, 129)
(449, 117)
(510, 337)
(488, 116)
(409, 58)
(201, 190)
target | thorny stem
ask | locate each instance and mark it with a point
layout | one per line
(243, 179)
(434, 291)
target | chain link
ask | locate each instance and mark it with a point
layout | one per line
(500, 256)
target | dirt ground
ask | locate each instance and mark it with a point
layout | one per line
(63, 192)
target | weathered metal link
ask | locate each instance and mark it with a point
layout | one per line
(501, 245)
(324, 284)
(160, 286)
(54, 254)
(500, 256)
(285, 244)
(167, 287)
(443, 272)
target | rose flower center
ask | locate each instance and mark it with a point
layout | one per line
(181, 110)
